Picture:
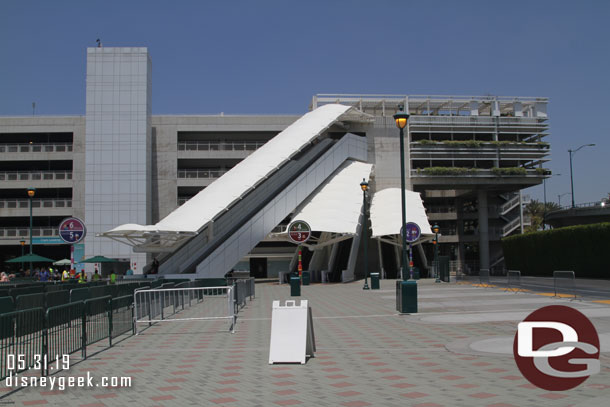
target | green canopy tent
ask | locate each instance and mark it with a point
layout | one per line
(30, 258)
(99, 259)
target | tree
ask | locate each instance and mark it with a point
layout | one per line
(535, 209)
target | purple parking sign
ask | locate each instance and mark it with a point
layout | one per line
(412, 232)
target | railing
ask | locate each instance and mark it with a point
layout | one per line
(201, 173)
(35, 175)
(219, 146)
(510, 204)
(25, 232)
(474, 172)
(32, 336)
(21, 340)
(150, 305)
(36, 148)
(510, 226)
(36, 203)
(122, 315)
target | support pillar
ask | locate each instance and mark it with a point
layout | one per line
(483, 230)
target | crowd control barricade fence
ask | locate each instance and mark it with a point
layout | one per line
(484, 277)
(39, 339)
(21, 340)
(564, 281)
(513, 281)
(184, 304)
(122, 315)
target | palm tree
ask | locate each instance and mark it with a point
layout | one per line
(536, 210)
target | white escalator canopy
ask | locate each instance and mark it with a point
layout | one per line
(192, 217)
(386, 216)
(336, 206)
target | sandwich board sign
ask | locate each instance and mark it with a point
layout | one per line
(292, 336)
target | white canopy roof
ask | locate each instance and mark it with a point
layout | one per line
(191, 217)
(337, 205)
(386, 217)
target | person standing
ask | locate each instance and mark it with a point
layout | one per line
(65, 276)
(113, 277)
(44, 275)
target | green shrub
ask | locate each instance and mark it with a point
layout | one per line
(509, 171)
(582, 249)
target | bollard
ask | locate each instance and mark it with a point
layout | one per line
(295, 286)
(406, 297)
(306, 277)
(374, 281)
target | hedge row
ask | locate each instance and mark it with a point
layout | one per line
(584, 249)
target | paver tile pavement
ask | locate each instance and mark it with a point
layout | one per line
(367, 354)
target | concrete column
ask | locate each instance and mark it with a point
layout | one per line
(483, 230)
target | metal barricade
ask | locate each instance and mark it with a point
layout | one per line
(97, 321)
(564, 281)
(484, 278)
(513, 281)
(204, 303)
(21, 340)
(122, 315)
(65, 330)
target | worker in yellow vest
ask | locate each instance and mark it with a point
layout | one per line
(65, 276)
(113, 277)
(82, 277)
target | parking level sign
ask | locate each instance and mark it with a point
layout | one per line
(299, 231)
(72, 230)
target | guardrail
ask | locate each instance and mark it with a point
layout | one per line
(150, 306)
(36, 203)
(35, 175)
(201, 173)
(219, 146)
(36, 148)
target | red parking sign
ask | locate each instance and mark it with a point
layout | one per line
(299, 231)
(72, 230)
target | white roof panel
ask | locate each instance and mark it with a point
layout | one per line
(337, 205)
(386, 215)
(213, 200)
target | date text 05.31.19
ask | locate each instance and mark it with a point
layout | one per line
(20, 362)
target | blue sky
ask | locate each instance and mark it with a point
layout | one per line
(270, 57)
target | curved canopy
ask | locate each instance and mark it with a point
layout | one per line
(337, 205)
(190, 218)
(386, 217)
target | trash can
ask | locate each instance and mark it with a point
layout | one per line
(406, 297)
(306, 277)
(295, 286)
(374, 281)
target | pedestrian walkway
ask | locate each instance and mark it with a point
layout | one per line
(457, 351)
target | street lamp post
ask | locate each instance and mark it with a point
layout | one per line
(401, 122)
(22, 246)
(559, 197)
(571, 177)
(365, 186)
(31, 193)
(435, 229)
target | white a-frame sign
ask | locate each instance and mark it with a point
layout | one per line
(292, 337)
